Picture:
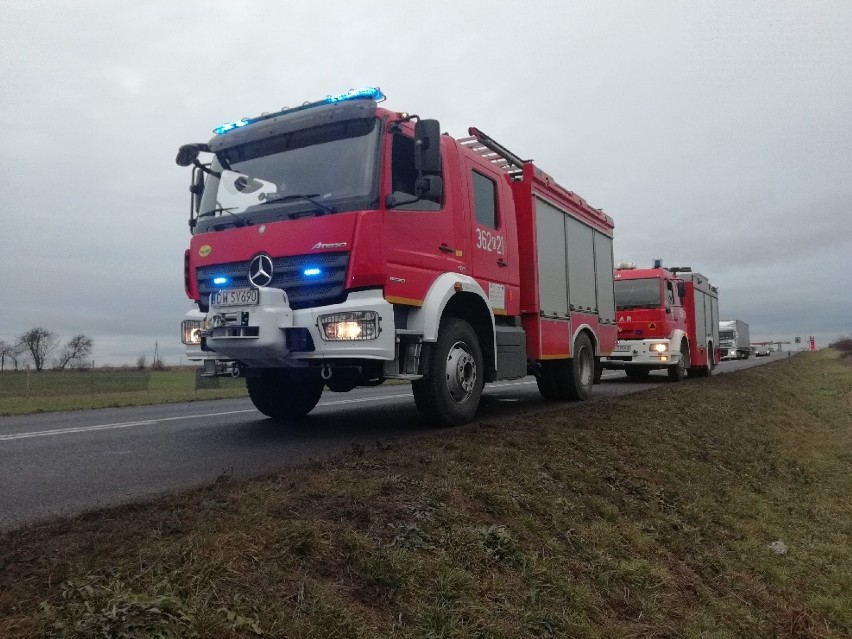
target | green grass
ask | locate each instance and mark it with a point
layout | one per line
(23, 392)
(650, 515)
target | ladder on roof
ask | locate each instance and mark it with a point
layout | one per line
(494, 152)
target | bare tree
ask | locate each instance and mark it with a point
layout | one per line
(75, 351)
(11, 352)
(38, 343)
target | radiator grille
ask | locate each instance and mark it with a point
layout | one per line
(288, 274)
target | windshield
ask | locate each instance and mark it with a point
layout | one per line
(643, 293)
(726, 334)
(320, 170)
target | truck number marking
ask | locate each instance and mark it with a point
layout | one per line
(488, 242)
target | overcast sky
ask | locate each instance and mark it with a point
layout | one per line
(716, 134)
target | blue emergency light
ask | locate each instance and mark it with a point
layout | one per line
(371, 93)
(367, 93)
(230, 126)
(220, 280)
(312, 272)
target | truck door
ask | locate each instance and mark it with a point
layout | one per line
(422, 239)
(493, 238)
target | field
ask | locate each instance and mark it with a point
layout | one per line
(23, 392)
(714, 508)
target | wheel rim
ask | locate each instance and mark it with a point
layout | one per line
(460, 372)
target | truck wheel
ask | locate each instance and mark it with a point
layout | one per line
(677, 372)
(711, 365)
(582, 369)
(566, 379)
(284, 397)
(637, 372)
(551, 380)
(449, 394)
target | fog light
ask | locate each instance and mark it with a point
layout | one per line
(190, 331)
(353, 325)
(660, 347)
(663, 358)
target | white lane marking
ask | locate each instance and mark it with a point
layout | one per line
(148, 422)
(86, 429)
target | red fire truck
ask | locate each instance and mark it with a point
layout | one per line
(668, 318)
(339, 244)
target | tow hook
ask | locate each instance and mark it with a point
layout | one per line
(325, 372)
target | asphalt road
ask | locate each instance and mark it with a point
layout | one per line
(62, 464)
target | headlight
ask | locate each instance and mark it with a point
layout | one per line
(660, 347)
(190, 331)
(354, 325)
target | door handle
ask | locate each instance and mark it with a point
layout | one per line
(447, 249)
(502, 263)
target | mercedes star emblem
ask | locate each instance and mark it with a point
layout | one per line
(260, 270)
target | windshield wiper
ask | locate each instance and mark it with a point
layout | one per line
(270, 199)
(239, 221)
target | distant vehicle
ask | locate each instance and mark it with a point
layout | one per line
(734, 341)
(763, 352)
(668, 318)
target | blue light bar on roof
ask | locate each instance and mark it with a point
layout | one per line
(229, 126)
(373, 93)
(367, 93)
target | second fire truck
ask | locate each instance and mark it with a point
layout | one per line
(668, 318)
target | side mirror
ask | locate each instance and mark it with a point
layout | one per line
(197, 188)
(427, 146)
(681, 290)
(188, 153)
(429, 187)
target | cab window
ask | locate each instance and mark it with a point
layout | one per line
(485, 200)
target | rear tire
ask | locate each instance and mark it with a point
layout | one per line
(569, 379)
(549, 380)
(703, 371)
(449, 394)
(582, 367)
(284, 397)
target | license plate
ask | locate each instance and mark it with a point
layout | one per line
(620, 348)
(235, 297)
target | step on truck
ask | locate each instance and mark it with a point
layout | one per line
(668, 319)
(734, 340)
(340, 244)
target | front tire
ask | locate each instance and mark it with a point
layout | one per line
(449, 394)
(677, 372)
(284, 397)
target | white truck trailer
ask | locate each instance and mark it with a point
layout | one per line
(734, 341)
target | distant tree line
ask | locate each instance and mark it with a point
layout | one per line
(40, 347)
(844, 345)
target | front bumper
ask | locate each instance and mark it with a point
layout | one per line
(257, 335)
(641, 353)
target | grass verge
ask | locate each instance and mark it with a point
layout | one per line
(657, 514)
(24, 392)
